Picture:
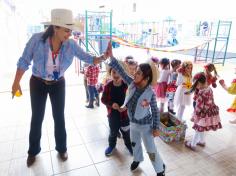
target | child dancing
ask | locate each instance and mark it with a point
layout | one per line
(143, 113)
(206, 113)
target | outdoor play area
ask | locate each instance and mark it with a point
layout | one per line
(204, 40)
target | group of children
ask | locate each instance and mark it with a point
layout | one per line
(134, 110)
(93, 88)
(131, 92)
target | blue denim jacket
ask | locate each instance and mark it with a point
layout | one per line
(140, 111)
(37, 51)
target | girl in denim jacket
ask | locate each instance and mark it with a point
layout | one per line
(143, 113)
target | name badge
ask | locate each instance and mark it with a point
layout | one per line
(55, 75)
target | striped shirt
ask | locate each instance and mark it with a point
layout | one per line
(154, 117)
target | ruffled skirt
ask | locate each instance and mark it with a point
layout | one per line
(181, 99)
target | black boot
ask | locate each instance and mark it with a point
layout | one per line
(171, 111)
(30, 160)
(134, 165)
(90, 105)
(163, 172)
(63, 156)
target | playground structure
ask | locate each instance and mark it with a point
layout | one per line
(96, 30)
(151, 34)
(210, 41)
(217, 49)
(98, 27)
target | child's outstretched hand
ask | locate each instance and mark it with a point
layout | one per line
(222, 82)
(155, 133)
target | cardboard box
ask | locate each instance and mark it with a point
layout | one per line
(171, 128)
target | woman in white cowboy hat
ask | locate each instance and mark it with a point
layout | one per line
(52, 53)
(140, 103)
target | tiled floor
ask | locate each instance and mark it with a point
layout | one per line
(87, 138)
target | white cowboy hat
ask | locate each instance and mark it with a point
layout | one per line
(155, 72)
(62, 18)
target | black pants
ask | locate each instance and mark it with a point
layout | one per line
(115, 124)
(39, 91)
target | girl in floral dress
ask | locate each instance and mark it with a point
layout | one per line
(211, 79)
(206, 113)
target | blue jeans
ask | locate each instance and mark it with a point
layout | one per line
(38, 94)
(92, 94)
(139, 133)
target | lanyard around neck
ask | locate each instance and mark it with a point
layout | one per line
(54, 53)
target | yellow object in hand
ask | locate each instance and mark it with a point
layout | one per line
(18, 93)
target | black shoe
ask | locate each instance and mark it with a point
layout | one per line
(109, 150)
(63, 156)
(30, 160)
(134, 165)
(163, 172)
(89, 106)
(171, 111)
